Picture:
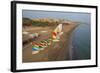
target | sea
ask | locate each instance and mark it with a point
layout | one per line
(81, 39)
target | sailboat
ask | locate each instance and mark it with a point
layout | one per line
(57, 33)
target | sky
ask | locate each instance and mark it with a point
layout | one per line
(75, 16)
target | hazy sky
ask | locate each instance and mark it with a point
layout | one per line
(83, 17)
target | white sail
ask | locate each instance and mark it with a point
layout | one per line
(58, 28)
(57, 32)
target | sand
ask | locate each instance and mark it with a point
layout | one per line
(58, 51)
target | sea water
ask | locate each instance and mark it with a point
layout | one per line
(81, 42)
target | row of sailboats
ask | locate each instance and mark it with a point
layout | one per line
(56, 34)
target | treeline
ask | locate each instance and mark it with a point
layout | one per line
(40, 22)
(26, 22)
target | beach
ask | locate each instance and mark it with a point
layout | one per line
(57, 51)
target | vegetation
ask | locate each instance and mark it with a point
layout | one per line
(37, 23)
(27, 22)
(41, 22)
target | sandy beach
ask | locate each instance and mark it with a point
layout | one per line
(60, 52)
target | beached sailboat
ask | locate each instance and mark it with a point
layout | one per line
(57, 33)
(36, 47)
